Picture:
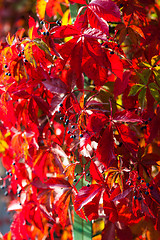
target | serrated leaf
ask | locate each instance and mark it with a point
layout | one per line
(135, 89)
(85, 195)
(142, 97)
(154, 91)
(42, 45)
(95, 173)
(29, 54)
(126, 116)
(105, 149)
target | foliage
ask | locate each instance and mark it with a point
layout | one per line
(80, 120)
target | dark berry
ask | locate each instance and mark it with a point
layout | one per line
(147, 184)
(75, 180)
(61, 104)
(135, 197)
(142, 181)
(2, 187)
(47, 33)
(67, 121)
(112, 52)
(25, 60)
(146, 122)
(61, 118)
(22, 52)
(58, 23)
(130, 184)
(151, 187)
(6, 73)
(142, 128)
(139, 178)
(139, 199)
(19, 54)
(68, 132)
(106, 46)
(5, 66)
(41, 22)
(10, 174)
(118, 45)
(9, 74)
(146, 192)
(44, 33)
(149, 119)
(87, 174)
(120, 144)
(73, 136)
(7, 173)
(88, 185)
(81, 135)
(72, 126)
(121, 5)
(59, 111)
(13, 163)
(76, 174)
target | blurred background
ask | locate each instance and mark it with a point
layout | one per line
(13, 15)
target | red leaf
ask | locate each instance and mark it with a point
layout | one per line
(106, 9)
(116, 65)
(85, 195)
(52, 183)
(61, 206)
(91, 209)
(121, 84)
(18, 227)
(32, 111)
(122, 195)
(95, 33)
(43, 105)
(109, 231)
(155, 194)
(124, 233)
(105, 149)
(95, 173)
(126, 116)
(96, 122)
(97, 22)
(128, 137)
(78, 1)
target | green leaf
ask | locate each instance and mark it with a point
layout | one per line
(73, 10)
(145, 64)
(145, 75)
(157, 74)
(42, 45)
(154, 91)
(82, 230)
(135, 89)
(142, 98)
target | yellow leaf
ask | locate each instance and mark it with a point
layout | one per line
(30, 32)
(29, 54)
(66, 19)
(41, 8)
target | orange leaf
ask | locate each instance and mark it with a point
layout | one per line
(137, 30)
